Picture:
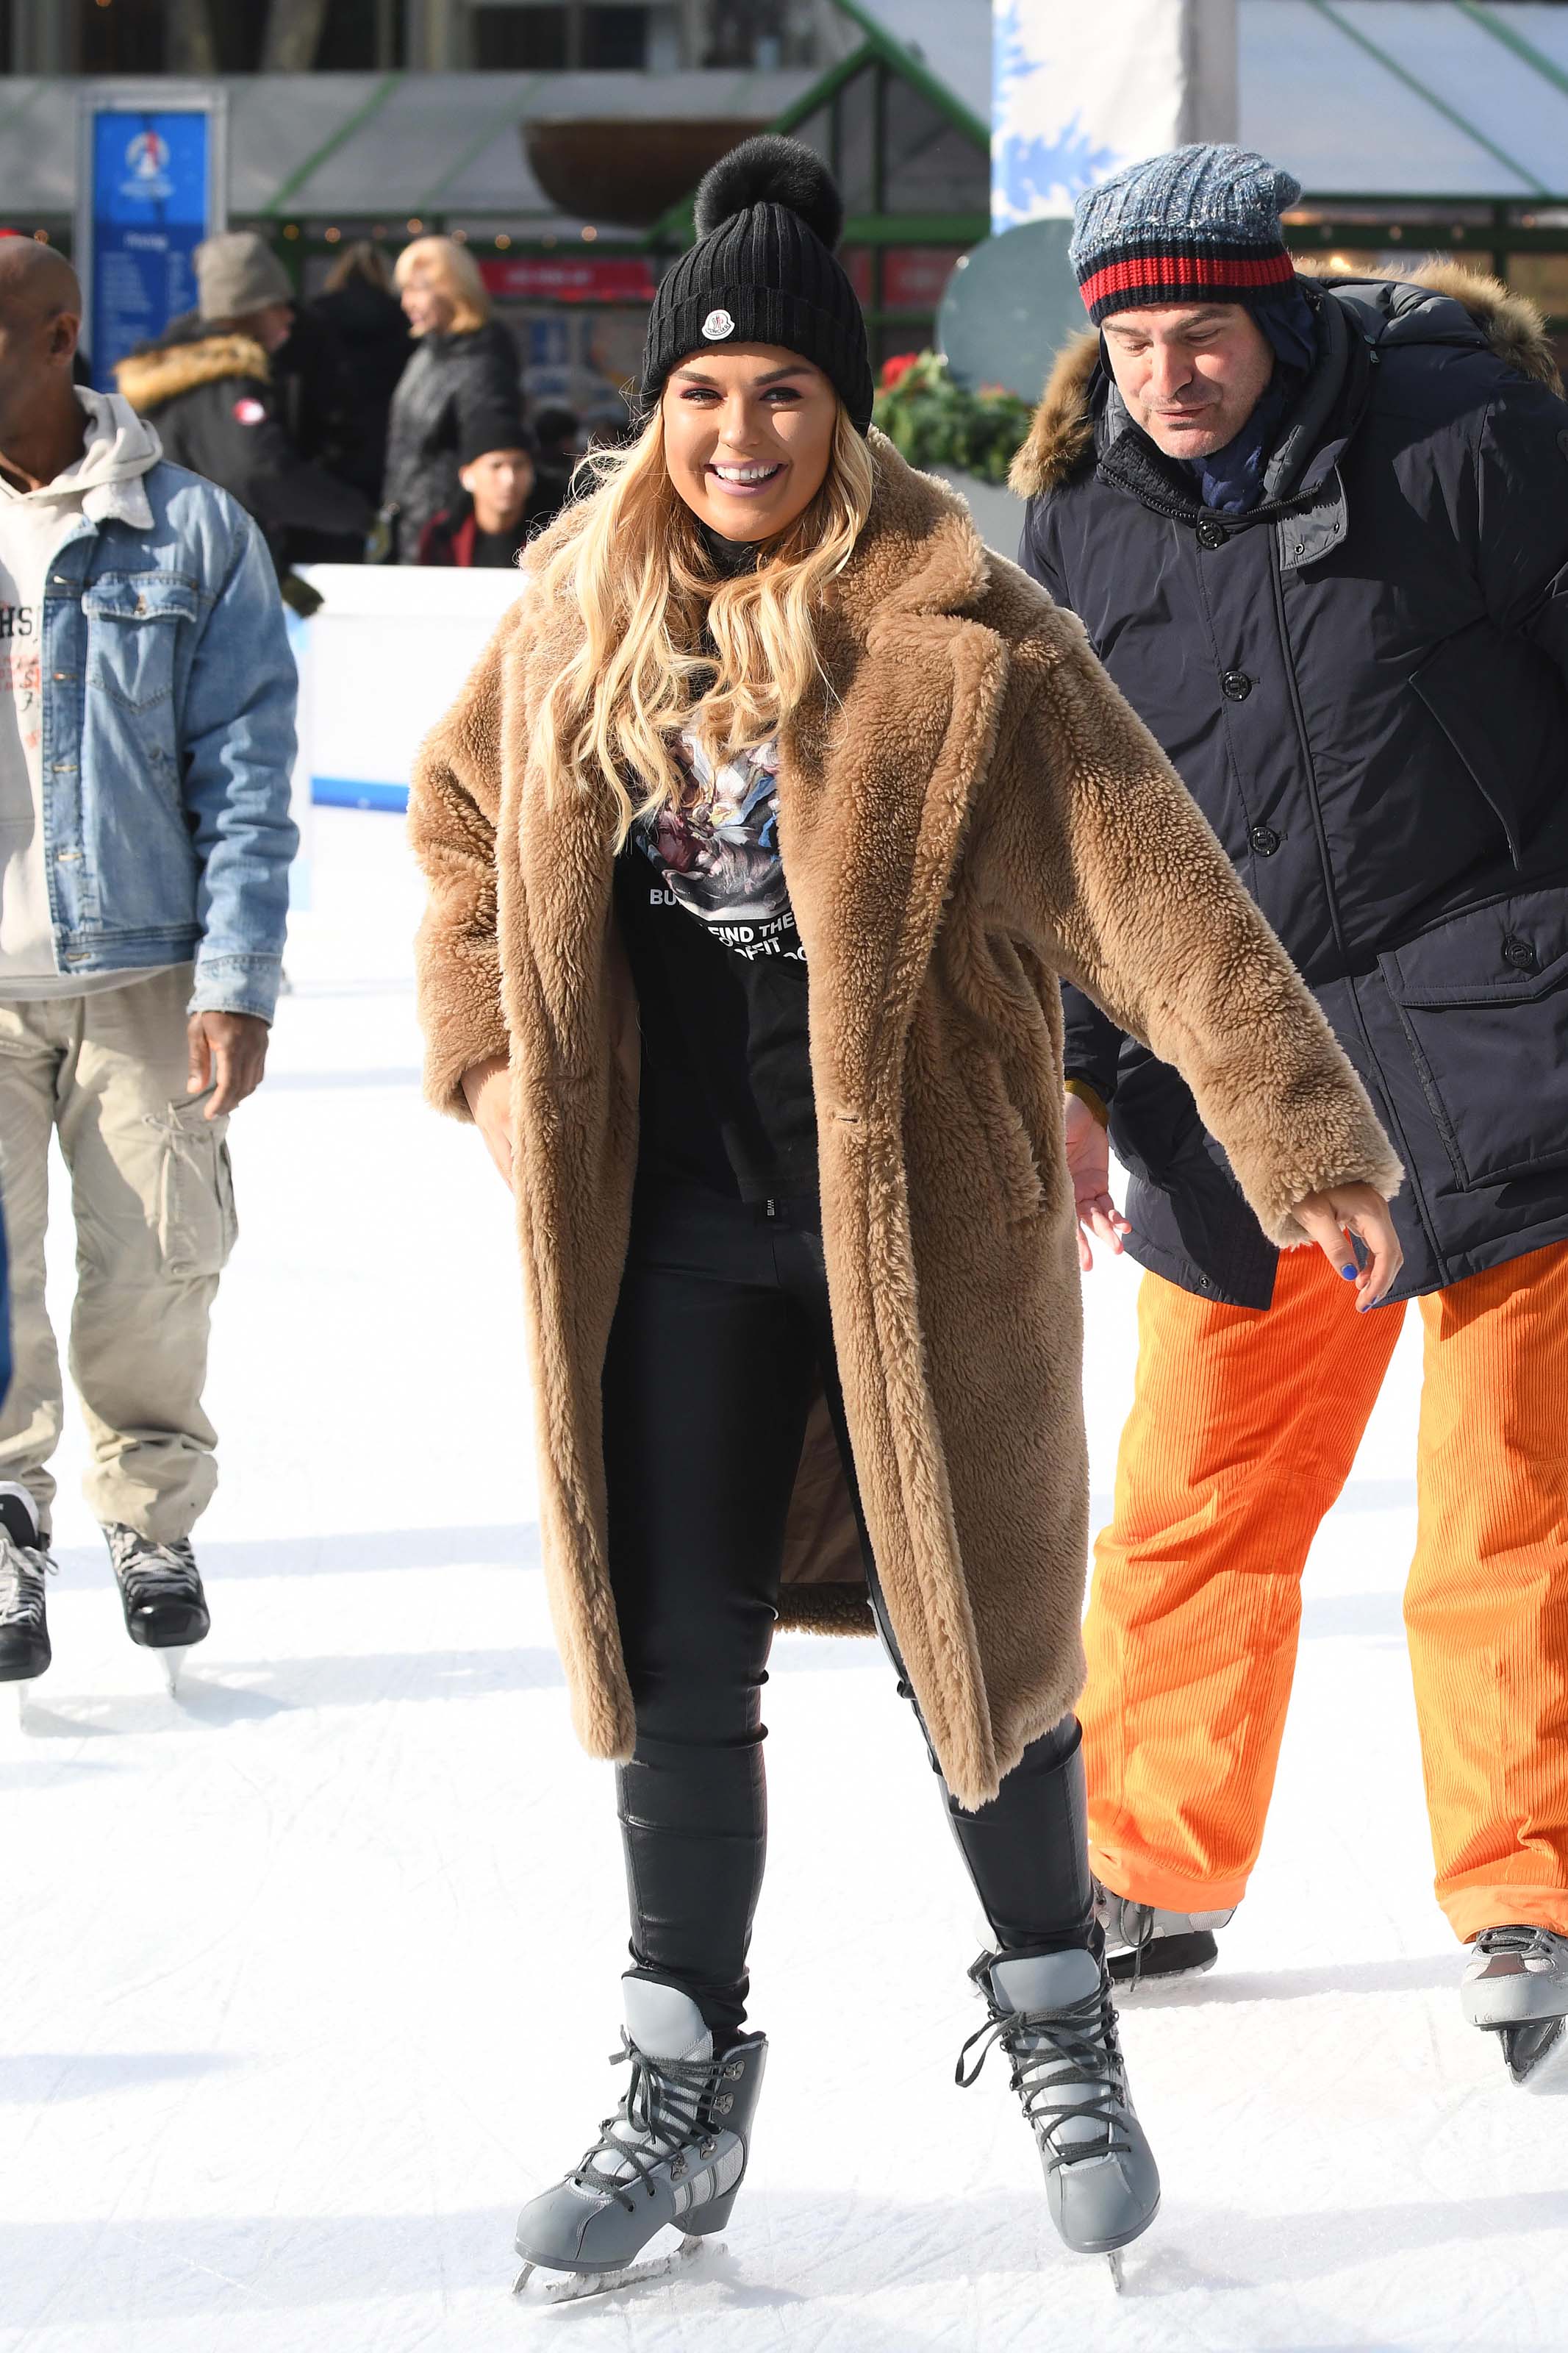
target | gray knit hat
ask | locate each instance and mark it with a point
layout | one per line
(236, 273)
(1199, 225)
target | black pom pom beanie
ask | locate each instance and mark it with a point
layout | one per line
(763, 271)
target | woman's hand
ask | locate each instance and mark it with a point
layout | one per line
(1089, 1165)
(488, 1087)
(1360, 1210)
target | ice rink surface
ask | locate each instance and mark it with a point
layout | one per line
(311, 1979)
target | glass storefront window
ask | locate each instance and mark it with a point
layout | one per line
(855, 107)
(928, 166)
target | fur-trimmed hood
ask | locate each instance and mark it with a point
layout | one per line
(160, 373)
(1062, 434)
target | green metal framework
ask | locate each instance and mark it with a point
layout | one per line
(880, 230)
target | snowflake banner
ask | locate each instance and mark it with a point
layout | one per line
(1077, 93)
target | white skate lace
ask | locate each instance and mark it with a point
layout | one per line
(663, 2101)
(149, 1572)
(1077, 2044)
(22, 1574)
(1525, 1941)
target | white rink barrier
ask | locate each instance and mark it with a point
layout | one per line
(382, 661)
(388, 652)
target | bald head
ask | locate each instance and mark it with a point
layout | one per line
(36, 282)
(40, 315)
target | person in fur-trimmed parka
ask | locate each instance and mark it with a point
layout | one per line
(792, 1253)
(1318, 531)
(207, 386)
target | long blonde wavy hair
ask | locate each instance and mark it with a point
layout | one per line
(649, 593)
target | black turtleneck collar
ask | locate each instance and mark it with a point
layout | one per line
(732, 557)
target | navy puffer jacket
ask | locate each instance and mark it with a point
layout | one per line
(1364, 685)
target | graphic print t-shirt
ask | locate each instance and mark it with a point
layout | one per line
(720, 978)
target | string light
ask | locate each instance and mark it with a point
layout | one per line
(333, 234)
(415, 228)
(503, 243)
(589, 235)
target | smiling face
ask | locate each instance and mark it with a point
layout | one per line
(748, 438)
(1191, 374)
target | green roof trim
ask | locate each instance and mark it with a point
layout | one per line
(827, 88)
(279, 202)
(494, 125)
(903, 60)
(1440, 105)
(1537, 60)
(677, 227)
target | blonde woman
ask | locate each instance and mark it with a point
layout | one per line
(463, 377)
(758, 846)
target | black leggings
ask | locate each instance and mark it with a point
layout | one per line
(720, 1339)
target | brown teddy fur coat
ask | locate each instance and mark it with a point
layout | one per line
(968, 812)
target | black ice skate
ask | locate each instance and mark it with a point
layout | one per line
(1143, 1942)
(1052, 2015)
(161, 1592)
(674, 2151)
(1516, 1987)
(24, 1563)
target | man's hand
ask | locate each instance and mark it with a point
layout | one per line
(488, 1087)
(1360, 1210)
(228, 1053)
(1089, 1165)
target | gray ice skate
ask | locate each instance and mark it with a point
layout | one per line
(674, 2151)
(24, 1563)
(1516, 1985)
(1143, 1941)
(1053, 2017)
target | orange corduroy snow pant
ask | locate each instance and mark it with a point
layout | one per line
(1243, 1432)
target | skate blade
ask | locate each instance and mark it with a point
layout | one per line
(172, 1660)
(1117, 2271)
(24, 1693)
(575, 2287)
(1524, 2047)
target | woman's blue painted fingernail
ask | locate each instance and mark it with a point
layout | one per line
(1349, 1273)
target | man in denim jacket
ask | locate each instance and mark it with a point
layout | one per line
(146, 738)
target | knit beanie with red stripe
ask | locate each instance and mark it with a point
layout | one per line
(1199, 225)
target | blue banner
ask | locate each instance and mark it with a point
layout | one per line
(151, 194)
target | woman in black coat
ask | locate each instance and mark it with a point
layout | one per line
(360, 309)
(465, 364)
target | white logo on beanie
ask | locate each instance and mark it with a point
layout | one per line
(717, 325)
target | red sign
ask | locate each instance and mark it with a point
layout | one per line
(570, 277)
(914, 277)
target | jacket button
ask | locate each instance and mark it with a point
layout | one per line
(1212, 534)
(1264, 839)
(1520, 955)
(1236, 684)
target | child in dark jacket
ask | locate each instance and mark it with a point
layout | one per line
(500, 505)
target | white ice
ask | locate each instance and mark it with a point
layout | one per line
(308, 1978)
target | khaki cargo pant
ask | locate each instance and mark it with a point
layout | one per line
(153, 1204)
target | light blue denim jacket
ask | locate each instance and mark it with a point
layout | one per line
(168, 740)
